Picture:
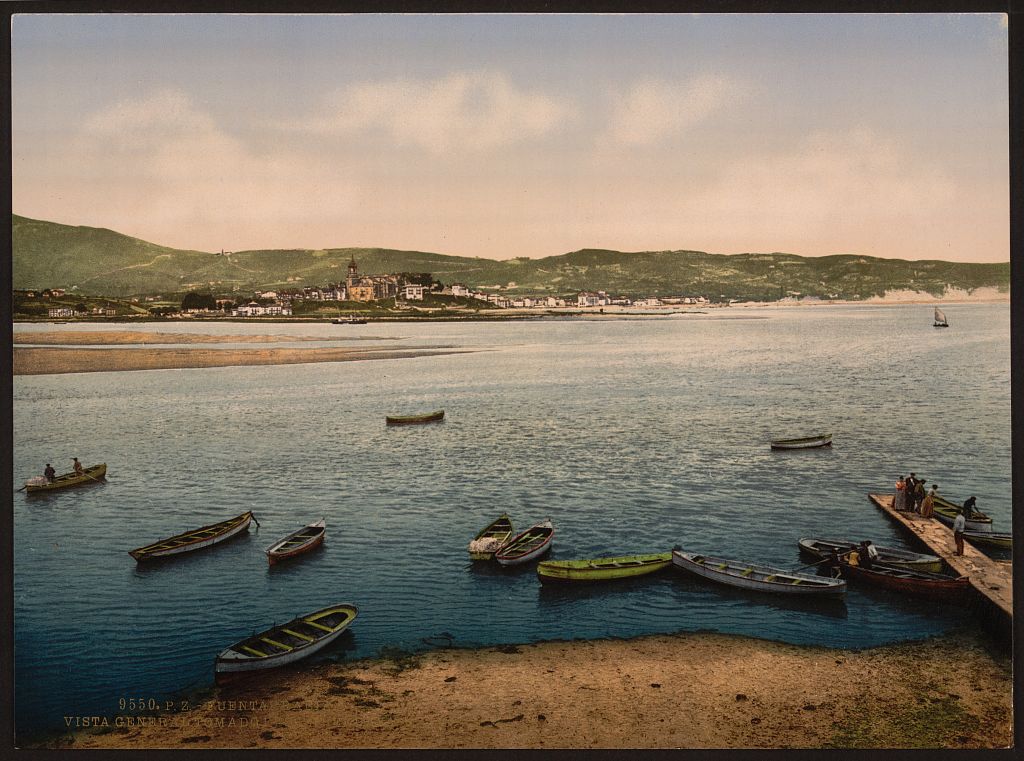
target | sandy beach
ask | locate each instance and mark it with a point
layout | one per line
(63, 357)
(700, 690)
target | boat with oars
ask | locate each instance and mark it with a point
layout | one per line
(757, 577)
(491, 539)
(527, 546)
(915, 561)
(919, 583)
(284, 644)
(91, 475)
(430, 417)
(807, 442)
(940, 319)
(602, 569)
(946, 512)
(297, 542)
(196, 539)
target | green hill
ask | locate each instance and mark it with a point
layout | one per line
(96, 261)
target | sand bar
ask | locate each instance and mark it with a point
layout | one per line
(677, 691)
(114, 337)
(56, 360)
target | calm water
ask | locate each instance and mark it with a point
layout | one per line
(633, 436)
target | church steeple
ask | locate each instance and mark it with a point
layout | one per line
(353, 275)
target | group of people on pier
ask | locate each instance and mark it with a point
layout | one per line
(912, 496)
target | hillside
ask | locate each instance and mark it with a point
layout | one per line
(103, 262)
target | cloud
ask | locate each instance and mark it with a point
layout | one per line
(167, 166)
(651, 111)
(463, 111)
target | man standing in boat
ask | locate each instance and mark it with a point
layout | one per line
(50, 473)
(78, 466)
(969, 504)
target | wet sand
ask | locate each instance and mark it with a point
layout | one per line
(698, 690)
(48, 361)
(122, 337)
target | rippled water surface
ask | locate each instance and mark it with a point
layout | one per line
(633, 436)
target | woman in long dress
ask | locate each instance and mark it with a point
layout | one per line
(900, 501)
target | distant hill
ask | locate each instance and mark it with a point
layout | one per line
(98, 262)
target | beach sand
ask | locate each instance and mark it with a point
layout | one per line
(699, 690)
(121, 337)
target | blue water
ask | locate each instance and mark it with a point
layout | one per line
(633, 436)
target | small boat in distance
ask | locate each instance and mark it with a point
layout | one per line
(348, 321)
(759, 578)
(530, 544)
(197, 539)
(297, 542)
(90, 475)
(287, 643)
(946, 512)
(915, 561)
(940, 319)
(491, 539)
(808, 442)
(602, 569)
(430, 417)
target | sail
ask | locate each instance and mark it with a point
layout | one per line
(940, 316)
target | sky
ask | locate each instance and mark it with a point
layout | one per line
(520, 135)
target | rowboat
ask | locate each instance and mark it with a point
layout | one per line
(348, 321)
(761, 578)
(284, 644)
(809, 442)
(915, 561)
(602, 569)
(996, 539)
(491, 539)
(530, 544)
(912, 582)
(430, 417)
(947, 511)
(88, 476)
(196, 539)
(297, 542)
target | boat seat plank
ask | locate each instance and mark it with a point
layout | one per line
(318, 626)
(275, 643)
(770, 578)
(747, 572)
(300, 635)
(255, 652)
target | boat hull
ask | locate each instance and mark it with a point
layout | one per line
(757, 578)
(433, 417)
(288, 547)
(602, 569)
(915, 561)
(527, 546)
(811, 442)
(190, 541)
(918, 584)
(996, 539)
(946, 512)
(232, 663)
(491, 539)
(90, 475)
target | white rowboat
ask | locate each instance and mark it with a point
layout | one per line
(760, 578)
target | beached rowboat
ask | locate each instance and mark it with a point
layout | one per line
(491, 539)
(809, 442)
(196, 539)
(947, 511)
(89, 476)
(915, 561)
(284, 644)
(996, 539)
(297, 542)
(602, 569)
(530, 544)
(760, 578)
(933, 585)
(430, 417)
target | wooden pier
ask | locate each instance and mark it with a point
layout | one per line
(992, 580)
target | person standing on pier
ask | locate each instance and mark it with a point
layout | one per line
(899, 502)
(928, 505)
(918, 494)
(909, 489)
(958, 533)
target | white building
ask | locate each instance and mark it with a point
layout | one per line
(458, 289)
(413, 292)
(62, 312)
(252, 309)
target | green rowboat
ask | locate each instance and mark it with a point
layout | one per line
(91, 475)
(996, 539)
(602, 569)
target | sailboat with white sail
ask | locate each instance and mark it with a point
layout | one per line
(940, 319)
